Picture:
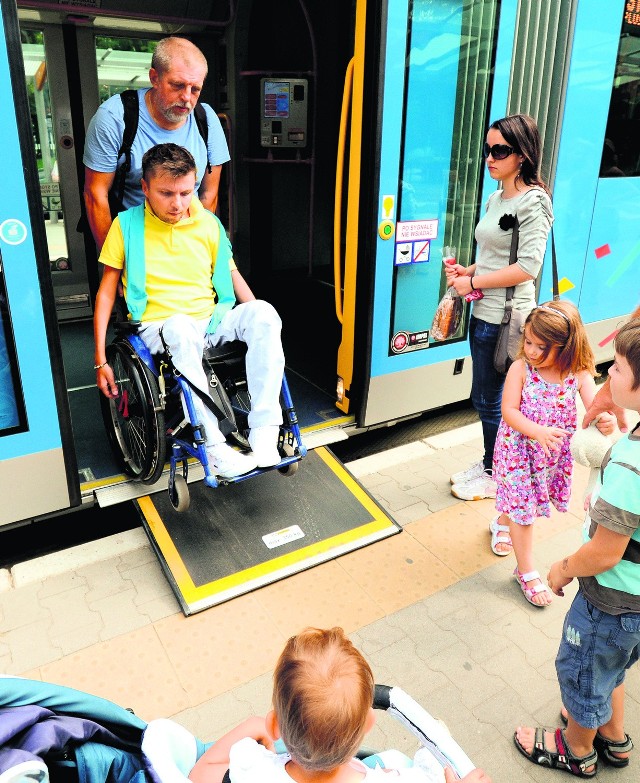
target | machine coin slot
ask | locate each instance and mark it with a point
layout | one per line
(283, 112)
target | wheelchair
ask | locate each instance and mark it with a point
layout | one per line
(146, 421)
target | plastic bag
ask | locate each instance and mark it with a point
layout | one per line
(448, 315)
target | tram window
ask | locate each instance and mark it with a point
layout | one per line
(12, 417)
(122, 63)
(35, 66)
(621, 149)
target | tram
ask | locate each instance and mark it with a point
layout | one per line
(338, 208)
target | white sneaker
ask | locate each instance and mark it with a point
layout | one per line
(264, 445)
(229, 463)
(481, 487)
(462, 476)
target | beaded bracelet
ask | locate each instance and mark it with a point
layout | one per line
(100, 366)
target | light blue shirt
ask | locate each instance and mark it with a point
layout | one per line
(104, 138)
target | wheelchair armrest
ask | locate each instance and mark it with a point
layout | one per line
(123, 328)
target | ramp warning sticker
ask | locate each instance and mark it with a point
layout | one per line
(281, 537)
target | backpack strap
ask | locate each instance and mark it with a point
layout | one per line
(200, 116)
(131, 107)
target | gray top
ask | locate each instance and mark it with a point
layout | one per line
(535, 213)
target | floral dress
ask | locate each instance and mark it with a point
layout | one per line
(527, 480)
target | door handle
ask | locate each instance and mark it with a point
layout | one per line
(337, 208)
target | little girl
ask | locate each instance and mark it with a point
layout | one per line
(532, 463)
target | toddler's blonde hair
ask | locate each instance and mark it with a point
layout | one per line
(323, 691)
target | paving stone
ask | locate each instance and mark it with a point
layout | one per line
(376, 636)
(405, 516)
(137, 557)
(461, 668)
(5, 580)
(21, 606)
(159, 608)
(30, 647)
(519, 632)
(374, 480)
(61, 583)
(210, 720)
(416, 623)
(394, 497)
(119, 614)
(148, 579)
(103, 579)
(396, 665)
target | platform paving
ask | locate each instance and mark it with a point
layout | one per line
(434, 611)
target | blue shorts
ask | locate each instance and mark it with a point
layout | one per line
(596, 650)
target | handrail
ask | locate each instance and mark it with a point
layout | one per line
(337, 209)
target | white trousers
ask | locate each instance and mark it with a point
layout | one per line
(255, 323)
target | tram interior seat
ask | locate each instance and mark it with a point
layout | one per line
(147, 419)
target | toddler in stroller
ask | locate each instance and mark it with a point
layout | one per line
(323, 699)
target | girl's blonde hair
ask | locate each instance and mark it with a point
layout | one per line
(558, 325)
(322, 694)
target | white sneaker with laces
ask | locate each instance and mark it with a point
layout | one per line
(229, 463)
(477, 489)
(462, 476)
(264, 445)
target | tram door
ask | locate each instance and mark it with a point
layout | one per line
(68, 71)
(427, 99)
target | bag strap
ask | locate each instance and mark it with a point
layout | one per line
(131, 108)
(554, 267)
(513, 257)
(202, 124)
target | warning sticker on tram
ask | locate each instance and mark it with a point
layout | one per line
(416, 230)
(281, 537)
(403, 342)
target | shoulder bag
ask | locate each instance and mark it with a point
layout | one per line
(512, 324)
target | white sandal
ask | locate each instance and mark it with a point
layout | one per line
(496, 538)
(530, 592)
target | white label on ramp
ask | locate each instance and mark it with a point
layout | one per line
(284, 536)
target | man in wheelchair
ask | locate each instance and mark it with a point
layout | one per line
(181, 283)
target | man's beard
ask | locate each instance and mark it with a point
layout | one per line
(172, 115)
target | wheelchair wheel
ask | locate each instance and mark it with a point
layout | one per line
(292, 469)
(134, 420)
(179, 493)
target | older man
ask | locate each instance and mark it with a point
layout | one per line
(165, 115)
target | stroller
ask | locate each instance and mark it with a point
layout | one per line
(55, 733)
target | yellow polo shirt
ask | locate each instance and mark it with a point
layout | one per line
(179, 262)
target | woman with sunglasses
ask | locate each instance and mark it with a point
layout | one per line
(512, 151)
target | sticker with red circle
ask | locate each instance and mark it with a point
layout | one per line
(402, 342)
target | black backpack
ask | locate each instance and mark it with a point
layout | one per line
(129, 100)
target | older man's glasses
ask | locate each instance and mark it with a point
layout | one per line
(498, 151)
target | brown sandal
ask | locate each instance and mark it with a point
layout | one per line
(562, 757)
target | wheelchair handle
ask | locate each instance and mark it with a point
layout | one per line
(382, 697)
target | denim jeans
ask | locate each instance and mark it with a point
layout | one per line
(595, 651)
(486, 383)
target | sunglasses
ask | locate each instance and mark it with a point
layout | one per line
(498, 151)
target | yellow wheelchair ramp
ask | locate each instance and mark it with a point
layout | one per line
(236, 538)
